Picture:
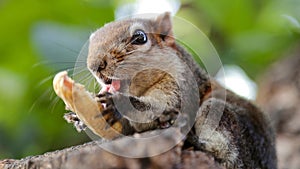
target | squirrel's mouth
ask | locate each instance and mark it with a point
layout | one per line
(111, 88)
(105, 79)
(110, 85)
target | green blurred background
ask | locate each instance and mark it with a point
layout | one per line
(40, 38)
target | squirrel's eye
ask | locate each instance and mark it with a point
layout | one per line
(139, 37)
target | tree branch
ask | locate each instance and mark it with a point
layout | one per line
(91, 155)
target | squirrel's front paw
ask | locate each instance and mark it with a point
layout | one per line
(71, 117)
(110, 113)
(167, 118)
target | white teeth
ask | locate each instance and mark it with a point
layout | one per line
(105, 88)
(112, 89)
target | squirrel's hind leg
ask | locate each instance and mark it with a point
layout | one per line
(212, 136)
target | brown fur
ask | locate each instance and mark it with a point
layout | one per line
(157, 72)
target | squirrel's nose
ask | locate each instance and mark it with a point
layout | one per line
(101, 65)
(97, 65)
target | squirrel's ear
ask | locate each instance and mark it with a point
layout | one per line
(164, 28)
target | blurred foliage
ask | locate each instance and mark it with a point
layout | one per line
(30, 115)
(39, 38)
(249, 33)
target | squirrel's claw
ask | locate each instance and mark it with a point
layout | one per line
(167, 118)
(110, 113)
(71, 117)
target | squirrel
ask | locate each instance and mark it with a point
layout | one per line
(143, 64)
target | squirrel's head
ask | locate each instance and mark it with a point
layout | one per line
(123, 48)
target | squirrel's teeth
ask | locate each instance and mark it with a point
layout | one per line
(111, 88)
(105, 88)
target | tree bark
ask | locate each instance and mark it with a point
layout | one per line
(92, 156)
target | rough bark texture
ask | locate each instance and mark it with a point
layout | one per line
(91, 156)
(279, 95)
